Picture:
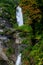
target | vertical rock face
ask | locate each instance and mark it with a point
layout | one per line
(6, 28)
(6, 16)
(2, 38)
(2, 62)
(2, 54)
(6, 32)
(18, 39)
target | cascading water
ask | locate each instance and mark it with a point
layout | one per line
(18, 61)
(19, 16)
(18, 54)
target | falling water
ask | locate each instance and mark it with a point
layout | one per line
(18, 61)
(19, 16)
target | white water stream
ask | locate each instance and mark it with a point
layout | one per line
(18, 61)
(19, 16)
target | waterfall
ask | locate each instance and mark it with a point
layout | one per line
(18, 61)
(19, 16)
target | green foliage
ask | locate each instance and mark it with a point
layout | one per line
(37, 53)
(9, 51)
(25, 28)
(8, 10)
(32, 28)
(35, 8)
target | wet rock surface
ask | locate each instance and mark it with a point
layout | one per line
(9, 37)
(4, 40)
(2, 62)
